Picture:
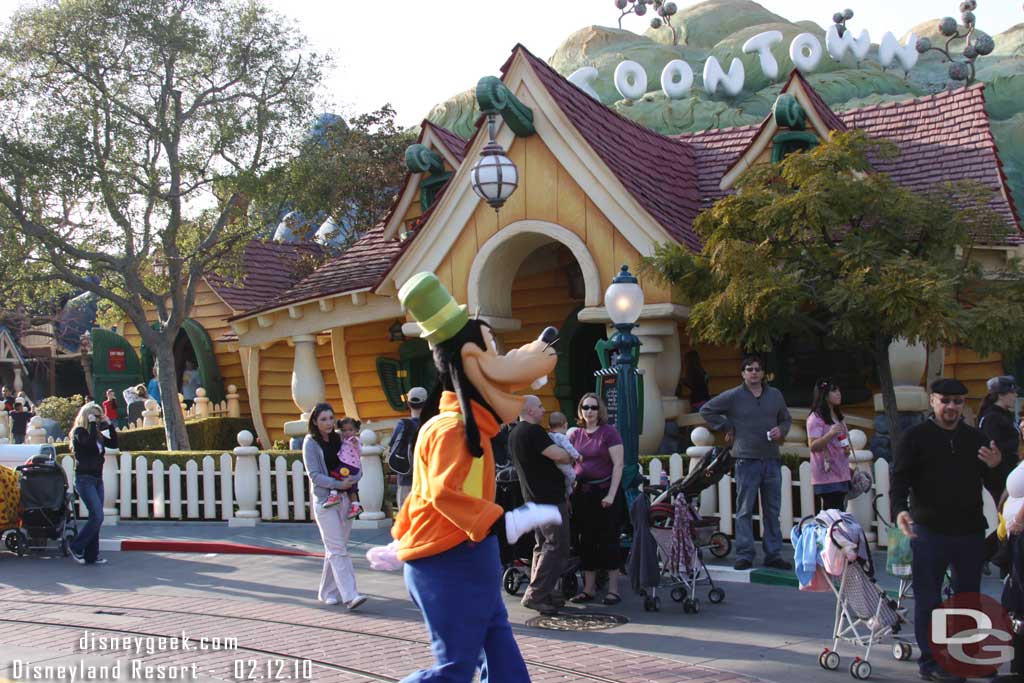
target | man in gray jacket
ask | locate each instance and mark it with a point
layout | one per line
(755, 421)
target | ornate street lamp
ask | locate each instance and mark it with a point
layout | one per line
(494, 176)
(624, 299)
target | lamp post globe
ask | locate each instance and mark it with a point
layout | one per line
(494, 176)
(624, 299)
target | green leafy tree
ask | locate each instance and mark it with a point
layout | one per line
(131, 134)
(349, 171)
(822, 243)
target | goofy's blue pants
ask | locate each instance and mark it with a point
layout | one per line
(459, 593)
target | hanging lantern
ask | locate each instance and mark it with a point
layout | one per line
(494, 176)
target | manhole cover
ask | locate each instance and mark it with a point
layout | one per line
(579, 621)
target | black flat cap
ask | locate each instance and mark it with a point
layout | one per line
(949, 387)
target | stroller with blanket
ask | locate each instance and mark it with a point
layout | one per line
(680, 537)
(831, 553)
(47, 509)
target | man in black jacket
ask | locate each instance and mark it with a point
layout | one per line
(997, 421)
(940, 467)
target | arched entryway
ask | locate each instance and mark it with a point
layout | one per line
(532, 274)
(194, 347)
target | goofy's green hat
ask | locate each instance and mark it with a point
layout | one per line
(439, 316)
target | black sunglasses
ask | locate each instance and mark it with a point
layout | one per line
(589, 407)
(946, 400)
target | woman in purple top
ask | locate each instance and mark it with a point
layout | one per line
(597, 503)
(829, 441)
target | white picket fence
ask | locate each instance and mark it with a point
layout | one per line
(138, 489)
(271, 489)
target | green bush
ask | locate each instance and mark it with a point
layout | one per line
(61, 409)
(210, 434)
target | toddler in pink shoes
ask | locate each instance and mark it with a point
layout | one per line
(349, 455)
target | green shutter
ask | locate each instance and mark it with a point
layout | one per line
(391, 374)
(418, 363)
(103, 343)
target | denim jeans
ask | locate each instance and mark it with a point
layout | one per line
(87, 542)
(753, 476)
(459, 593)
(932, 554)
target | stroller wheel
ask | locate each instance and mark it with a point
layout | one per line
(510, 581)
(716, 595)
(902, 651)
(678, 594)
(65, 542)
(652, 604)
(691, 606)
(829, 660)
(18, 543)
(720, 545)
(860, 669)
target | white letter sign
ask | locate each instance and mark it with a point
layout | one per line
(714, 76)
(762, 45)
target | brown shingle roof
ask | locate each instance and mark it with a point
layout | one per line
(715, 150)
(456, 145)
(828, 117)
(362, 266)
(660, 172)
(942, 137)
(269, 271)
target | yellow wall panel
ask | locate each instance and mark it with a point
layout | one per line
(485, 221)
(541, 181)
(599, 242)
(461, 259)
(514, 208)
(572, 204)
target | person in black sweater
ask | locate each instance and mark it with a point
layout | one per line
(939, 468)
(996, 421)
(92, 432)
(19, 420)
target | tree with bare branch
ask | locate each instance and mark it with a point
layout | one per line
(131, 134)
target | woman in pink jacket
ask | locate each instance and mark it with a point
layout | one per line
(829, 441)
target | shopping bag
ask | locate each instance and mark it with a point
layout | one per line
(899, 555)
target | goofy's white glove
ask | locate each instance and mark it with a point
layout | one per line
(528, 517)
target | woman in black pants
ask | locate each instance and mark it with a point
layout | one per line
(597, 504)
(91, 433)
(829, 441)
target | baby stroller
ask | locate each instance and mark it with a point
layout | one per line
(48, 512)
(516, 558)
(685, 551)
(864, 614)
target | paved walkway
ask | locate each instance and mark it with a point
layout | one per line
(47, 603)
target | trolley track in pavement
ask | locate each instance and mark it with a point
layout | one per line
(363, 635)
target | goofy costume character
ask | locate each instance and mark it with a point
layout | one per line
(446, 530)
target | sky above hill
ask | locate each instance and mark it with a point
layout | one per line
(417, 54)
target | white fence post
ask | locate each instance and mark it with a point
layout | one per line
(174, 474)
(371, 486)
(298, 491)
(159, 499)
(126, 486)
(806, 490)
(233, 407)
(675, 467)
(654, 470)
(246, 481)
(862, 506)
(725, 504)
(110, 481)
(882, 504)
(266, 491)
(192, 489)
(786, 505)
(209, 488)
(141, 488)
(281, 477)
(202, 406)
(227, 489)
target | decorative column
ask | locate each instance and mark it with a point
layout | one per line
(18, 385)
(5, 432)
(660, 364)
(201, 404)
(862, 507)
(246, 481)
(307, 384)
(234, 409)
(35, 433)
(908, 365)
(703, 441)
(371, 486)
(111, 480)
(151, 415)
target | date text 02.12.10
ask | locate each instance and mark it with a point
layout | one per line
(273, 670)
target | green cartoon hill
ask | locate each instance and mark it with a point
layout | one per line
(720, 27)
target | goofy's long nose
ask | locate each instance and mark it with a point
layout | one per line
(549, 335)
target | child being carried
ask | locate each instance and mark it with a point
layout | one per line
(558, 427)
(349, 455)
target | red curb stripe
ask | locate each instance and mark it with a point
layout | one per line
(211, 547)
